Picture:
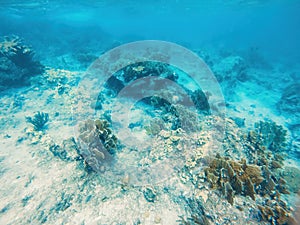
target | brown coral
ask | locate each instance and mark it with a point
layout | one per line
(242, 178)
(238, 177)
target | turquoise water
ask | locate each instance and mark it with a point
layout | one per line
(151, 112)
(270, 26)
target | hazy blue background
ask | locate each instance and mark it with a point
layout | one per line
(63, 26)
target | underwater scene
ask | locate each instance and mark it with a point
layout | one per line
(150, 112)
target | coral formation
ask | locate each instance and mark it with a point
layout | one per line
(17, 63)
(289, 102)
(39, 120)
(292, 177)
(200, 100)
(230, 68)
(266, 144)
(67, 151)
(229, 71)
(233, 178)
(276, 213)
(226, 174)
(58, 79)
(163, 99)
(97, 143)
(155, 126)
(196, 211)
(172, 116)
(148, 68)
(289, 106)
(232, 141)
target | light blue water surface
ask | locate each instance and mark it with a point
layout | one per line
(271, 26)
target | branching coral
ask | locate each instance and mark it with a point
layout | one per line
(226, 174)
(39, 120)
(10, 46)
(266, 144)
(233, 178)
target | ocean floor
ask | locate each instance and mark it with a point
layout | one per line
(251, 177)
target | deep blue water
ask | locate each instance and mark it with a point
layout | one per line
(270, 26)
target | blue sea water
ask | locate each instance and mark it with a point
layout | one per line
(271, 26)
(66, 64)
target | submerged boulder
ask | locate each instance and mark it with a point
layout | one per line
(289, 106)
(289, 103)
(229, 72)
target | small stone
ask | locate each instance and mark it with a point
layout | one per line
(157, 219)
(175, 138)
(165, 134)
(149, 194)
(126, 179)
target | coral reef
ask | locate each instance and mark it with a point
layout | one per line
(276, 213)
(155, 126)
(148, 68)
(67, 151)
(39, 120)
(289, 102)
(238, 177)
(232, 141)
(266, 144)
(228, 175)
(58, 79)
(163, 99)
(292, 177)
(97, 144)
(289, 106)
(172, 116)
(17, 63)
(255, 58)
(196, 211)
(200, 100)
(229, 71)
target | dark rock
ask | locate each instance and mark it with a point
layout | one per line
(200, 100)
(114, 85)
